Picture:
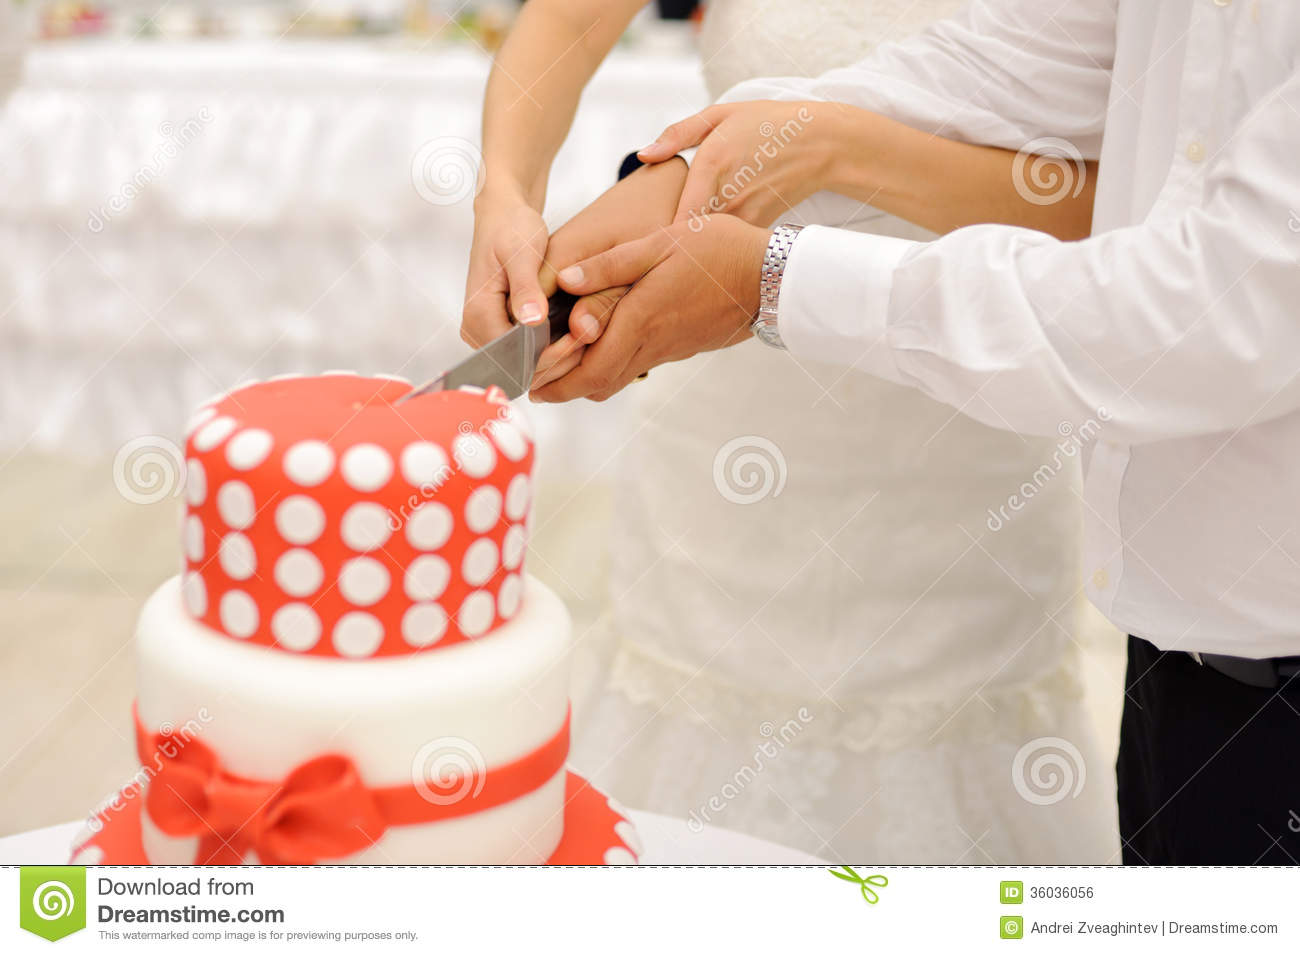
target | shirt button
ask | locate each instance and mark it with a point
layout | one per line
(1101, 579)
(1195, 151)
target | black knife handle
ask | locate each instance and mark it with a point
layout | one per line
(561, 304)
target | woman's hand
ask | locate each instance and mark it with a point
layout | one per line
(756, 159)
(505, 258)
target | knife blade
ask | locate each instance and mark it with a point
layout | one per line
(510, 361)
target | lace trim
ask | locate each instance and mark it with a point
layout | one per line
(1006, 712)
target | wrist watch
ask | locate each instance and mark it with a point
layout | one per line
(769, 284)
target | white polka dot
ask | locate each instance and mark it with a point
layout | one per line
(510, 595)
(213, 433)
(365, 526)
(480, 562)
(474, 455)
(193, 535)
(237, 557)
(299, 573)
(475, 615)
(357, 635)
(196, 482)
(627, 832)
(424, 625)
(235, 504)
(238, 614)
(366, 467)
(517, 497)
(308, 463)
(199, 419)
(299, 519)
(512, 548)
(363, 581)
(296, 627)
(619, 856)
(196, 595)
(509, 439)
(248, 449)
(424, 464)
(90, 855)
(426, 578)
(483, 509)
(429, 527)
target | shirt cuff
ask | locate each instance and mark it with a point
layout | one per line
(834, 299)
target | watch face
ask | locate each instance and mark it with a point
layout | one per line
(766, 332)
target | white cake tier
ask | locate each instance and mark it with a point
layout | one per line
(400, 719)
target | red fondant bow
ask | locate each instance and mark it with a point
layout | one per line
(321, 810)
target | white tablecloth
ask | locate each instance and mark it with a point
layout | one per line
(177, 217)
(667, 841)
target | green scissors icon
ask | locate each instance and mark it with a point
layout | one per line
(864, 883)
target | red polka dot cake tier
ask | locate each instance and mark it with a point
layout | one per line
(322, 520)
(353, 665)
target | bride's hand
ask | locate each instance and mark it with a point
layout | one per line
(755, 161)
(506, 255)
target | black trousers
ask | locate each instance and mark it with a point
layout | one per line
(1209, 768)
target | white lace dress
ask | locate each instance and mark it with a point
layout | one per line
(817, 635)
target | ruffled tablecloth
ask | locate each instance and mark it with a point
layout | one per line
(175, 218)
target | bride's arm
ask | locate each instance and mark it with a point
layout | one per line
(532, 94)
(940, 184)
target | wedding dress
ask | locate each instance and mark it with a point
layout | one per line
(822, 636)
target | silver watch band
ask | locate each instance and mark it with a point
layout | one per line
(764, 325)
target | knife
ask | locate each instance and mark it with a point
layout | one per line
(509, 361)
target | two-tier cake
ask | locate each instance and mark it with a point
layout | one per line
(353, 665)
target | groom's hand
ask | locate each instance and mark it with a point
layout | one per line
(630, 209)
(694, 288)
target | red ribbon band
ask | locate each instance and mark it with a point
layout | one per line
(322, 809)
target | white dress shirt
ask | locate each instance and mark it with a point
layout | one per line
(1169, 340)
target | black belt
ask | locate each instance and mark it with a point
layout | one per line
(1268, 673)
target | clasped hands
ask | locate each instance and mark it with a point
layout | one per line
(666, 261)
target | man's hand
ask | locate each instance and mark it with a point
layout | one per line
(630, 209)
(694, 289)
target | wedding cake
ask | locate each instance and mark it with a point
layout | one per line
(352, 666)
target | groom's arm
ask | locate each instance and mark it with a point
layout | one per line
(1031, 75)
(1174, 327)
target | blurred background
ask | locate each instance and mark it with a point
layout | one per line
(194, 194)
